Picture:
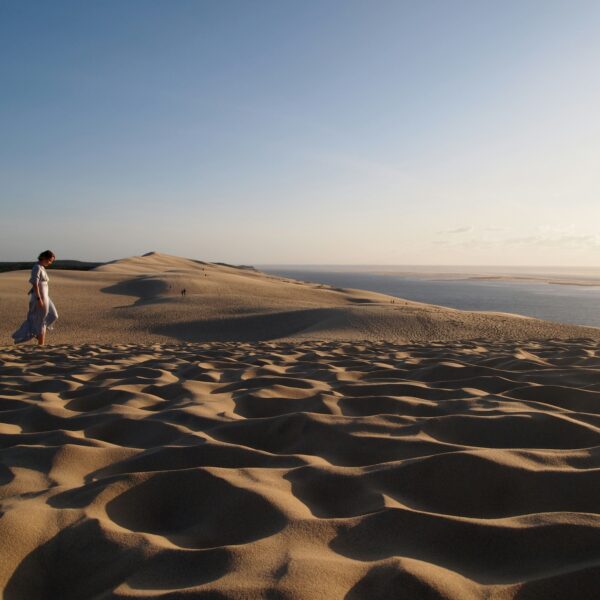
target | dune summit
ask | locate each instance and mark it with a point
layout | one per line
(138, 300)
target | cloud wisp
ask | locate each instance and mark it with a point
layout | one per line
(456, 230)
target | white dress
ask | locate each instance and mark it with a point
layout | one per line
(38, 319)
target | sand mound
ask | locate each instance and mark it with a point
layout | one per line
(138, 300)
(150, 262)
(309, 470)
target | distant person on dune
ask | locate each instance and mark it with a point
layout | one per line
(42, 312)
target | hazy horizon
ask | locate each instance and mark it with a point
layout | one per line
(336, 132)
(422, 268)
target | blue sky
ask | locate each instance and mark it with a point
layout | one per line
(381, 132)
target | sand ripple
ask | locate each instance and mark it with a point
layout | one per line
(310, 470)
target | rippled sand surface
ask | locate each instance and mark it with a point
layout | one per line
(309, 470)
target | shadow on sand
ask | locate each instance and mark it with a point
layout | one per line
(251, 328)
(147, 290)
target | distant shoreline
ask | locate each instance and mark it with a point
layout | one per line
(578, 282)
(577, 276)
(560, 297)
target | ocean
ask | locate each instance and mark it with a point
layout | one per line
(575, 304)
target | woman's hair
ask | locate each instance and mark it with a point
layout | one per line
(47, 254)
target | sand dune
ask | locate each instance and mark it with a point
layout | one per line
(264, 438)
(138, 300)
(466, 470)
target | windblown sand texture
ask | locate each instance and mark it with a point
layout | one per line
(314, 470)
(138, 300)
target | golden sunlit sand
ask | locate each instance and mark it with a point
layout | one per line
(260, 438)
(138, 300)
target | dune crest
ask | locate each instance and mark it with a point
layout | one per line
(139, 300)
(151, 262)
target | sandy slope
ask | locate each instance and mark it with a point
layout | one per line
(296, 469)
(327, 470)
(138, 300)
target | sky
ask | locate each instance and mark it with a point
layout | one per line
(301, 132)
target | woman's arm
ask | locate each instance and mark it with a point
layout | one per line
(38, 295)
(35, 282)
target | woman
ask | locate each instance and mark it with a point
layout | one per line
(42, 312)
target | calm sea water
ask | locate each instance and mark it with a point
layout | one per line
(564, 303)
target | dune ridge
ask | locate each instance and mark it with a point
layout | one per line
(138, 300)
(356, 470)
